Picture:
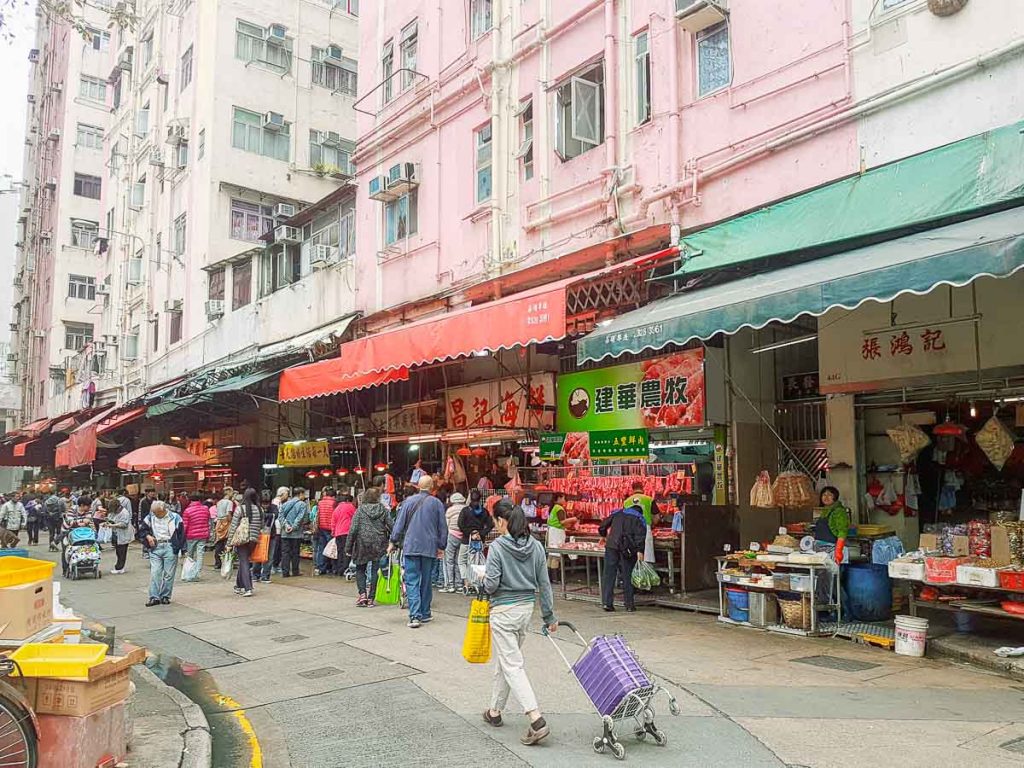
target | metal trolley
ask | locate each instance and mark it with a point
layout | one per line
(638, 702)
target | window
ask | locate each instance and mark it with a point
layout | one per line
(250, 221)
(525, 153)
(408, 50)
(579, 105)
(202, 144)
(81, 287)
(154, 326)
(158, 250)
(100, 41)
(482, 17)
(254, 44)
(92, 88)
(147, 49)
(349, 6)
(249, 134)
(186, 69)
(714, 70)
(181, 155)
(347, 234)
(387, 69)
(400, 218)
(137, 194)
(77, 335)
(87, 186)
(329, 150)
(215, 286)
(241, 284)
(483, 163)
(341, 78)
(642, 63)
(89, 137)
(175, 331)
(116, 99)
(142, 121)
(136, 266)
(130, 348)
(180, 234)
(84, 233)
(887, 4)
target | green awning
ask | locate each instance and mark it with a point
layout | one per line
(955, 255)
(975, 174)
(233, 384)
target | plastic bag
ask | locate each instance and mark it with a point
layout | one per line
(261, 551)
(909, 439)
(477, 566)
(190, 569)
(331, 549)
(389, 585)
(104, 535)
(227, 564)
(476, 644)
(761, 494)
(645, 577)
(794, 490)
(996, 441)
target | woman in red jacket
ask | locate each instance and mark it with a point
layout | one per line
(341, 523)
(196, 518)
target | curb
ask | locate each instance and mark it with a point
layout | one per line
(198, 747)
(1011, 668)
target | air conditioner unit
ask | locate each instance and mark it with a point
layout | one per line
(33, 55)
(38, 334)
(277, 32)
(284, 211)
(379, 189)
(173, 305)
(285, 234)
(102, 289)
(31, 98)
(15, 327)
(330, 138)
(44, 235)
(214, 308)
(55, 134)
(51, 182)
(176, 133)
(402, 177)
(273, 121)
(156, 157)
(332, 54)
(99, 347)
(57, 87)
(697, 15)
(110, 338)
(12, 357)
(324, 255)
(124, 61)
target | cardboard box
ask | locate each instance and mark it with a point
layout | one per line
(77, 698)
(929, 542)
(25, 609)
(961, 546)
(83, 742)
(1000, 544)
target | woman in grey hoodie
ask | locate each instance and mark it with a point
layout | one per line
(516, 571)
(367, 542)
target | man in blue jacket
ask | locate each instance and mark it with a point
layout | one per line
(422, 534)
(294, 514)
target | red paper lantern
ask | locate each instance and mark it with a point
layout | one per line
(479, 451)
(464, 451)
(312, 474)
(380, 466)
(359, 470)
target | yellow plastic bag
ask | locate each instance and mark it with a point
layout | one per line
(476, 645)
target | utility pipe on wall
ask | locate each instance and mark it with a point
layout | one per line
(611, 92)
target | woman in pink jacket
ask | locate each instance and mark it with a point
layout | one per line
(196, 518)
(341, 522)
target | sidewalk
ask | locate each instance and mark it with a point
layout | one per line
(277, 662)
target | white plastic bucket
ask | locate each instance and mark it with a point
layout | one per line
(911, 635)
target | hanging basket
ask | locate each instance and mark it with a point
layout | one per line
(946, 7)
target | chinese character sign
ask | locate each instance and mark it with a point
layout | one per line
(509, 403)
(411, 419)
(304, 454)
(583, 446)
(664, 392)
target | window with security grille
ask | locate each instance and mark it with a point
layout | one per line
(83, 233)
(714, 66)
(82, 287)
(254, 45)
(579, 110)
(250, 135)
(77, 335)
(338, 78)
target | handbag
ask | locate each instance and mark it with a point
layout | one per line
(331, 549)
(389, 586)
(241, 535)
(261, 551)
(220, 531)
(476, 644)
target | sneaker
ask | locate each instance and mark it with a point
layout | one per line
(361, 601)
(370, 603)
(492, 720)
(538, 730)
(239, 590)
(413, 624)
(165, 601)
(152, 601)
(116, 572)
(247, 593)
(426, 619)
(265, 581)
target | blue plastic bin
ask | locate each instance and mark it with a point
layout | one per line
(739, 604)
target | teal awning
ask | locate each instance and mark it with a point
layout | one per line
(233, 384)
(955, 255)
(976, 174)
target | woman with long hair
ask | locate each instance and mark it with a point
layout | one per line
(250, 511)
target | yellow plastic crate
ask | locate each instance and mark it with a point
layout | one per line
(15, 571)
(57, 660)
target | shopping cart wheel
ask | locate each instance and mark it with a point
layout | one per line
(673, 706)
(619, 751)
(640, 734)
(659, 737)
(599, 745)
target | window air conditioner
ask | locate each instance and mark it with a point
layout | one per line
(214, 308)
(176, 133)
(39, 334)
(324, 255)
(379, 189)
(284, 211)
(156, 157)
(12, 357)
(15, 327)
(102, 289)
(697, 15)
(55, 134)
(332, 54)
(277, 32)
(330, 138)
(402, 177)
(33, 55)
(31, 98)
(285, 234)
(51, 183)
(273, 121)
(173, 305)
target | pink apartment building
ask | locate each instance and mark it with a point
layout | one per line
(496, 136)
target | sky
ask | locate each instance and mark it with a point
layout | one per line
(14, 88)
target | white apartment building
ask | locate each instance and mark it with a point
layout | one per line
(228, 118)
(55, 315)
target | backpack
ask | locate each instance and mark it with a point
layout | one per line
(52, 507)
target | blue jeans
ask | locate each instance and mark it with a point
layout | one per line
(418, 587)
(322, 564)
(162, 565)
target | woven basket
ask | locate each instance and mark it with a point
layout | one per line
(796, 614)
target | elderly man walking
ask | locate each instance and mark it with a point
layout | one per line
(421, 532)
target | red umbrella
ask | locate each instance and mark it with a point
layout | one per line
(158, 457)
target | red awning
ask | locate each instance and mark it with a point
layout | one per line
(34, 429)
(330, 377)
(19, 448)
(60, 454)
(81, 444)
(117, 421)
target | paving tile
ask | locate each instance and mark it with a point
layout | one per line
(174, 642)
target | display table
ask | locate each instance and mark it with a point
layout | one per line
(588, 593)
(813, 573)
(988, 606)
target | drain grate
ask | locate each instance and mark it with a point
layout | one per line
(836, 662)
(1016, 746)
(314, 674)
(288, 638)
(262, 622)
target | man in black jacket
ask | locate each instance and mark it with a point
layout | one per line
(624, 531)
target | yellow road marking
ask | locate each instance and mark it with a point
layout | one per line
(256, 758)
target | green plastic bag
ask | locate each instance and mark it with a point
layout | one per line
(389, 585)
(645, 577)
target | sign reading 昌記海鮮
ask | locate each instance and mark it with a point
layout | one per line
(663, 392)
(304, 454)
(584, 446)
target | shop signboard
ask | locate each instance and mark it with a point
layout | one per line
(414, 419)
(800, 386)
(583, 446)
(304, 454)
(502, 403)
(664, 392)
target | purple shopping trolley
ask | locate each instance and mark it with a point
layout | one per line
(619, 688)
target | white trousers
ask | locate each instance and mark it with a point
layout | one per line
(508, 631)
